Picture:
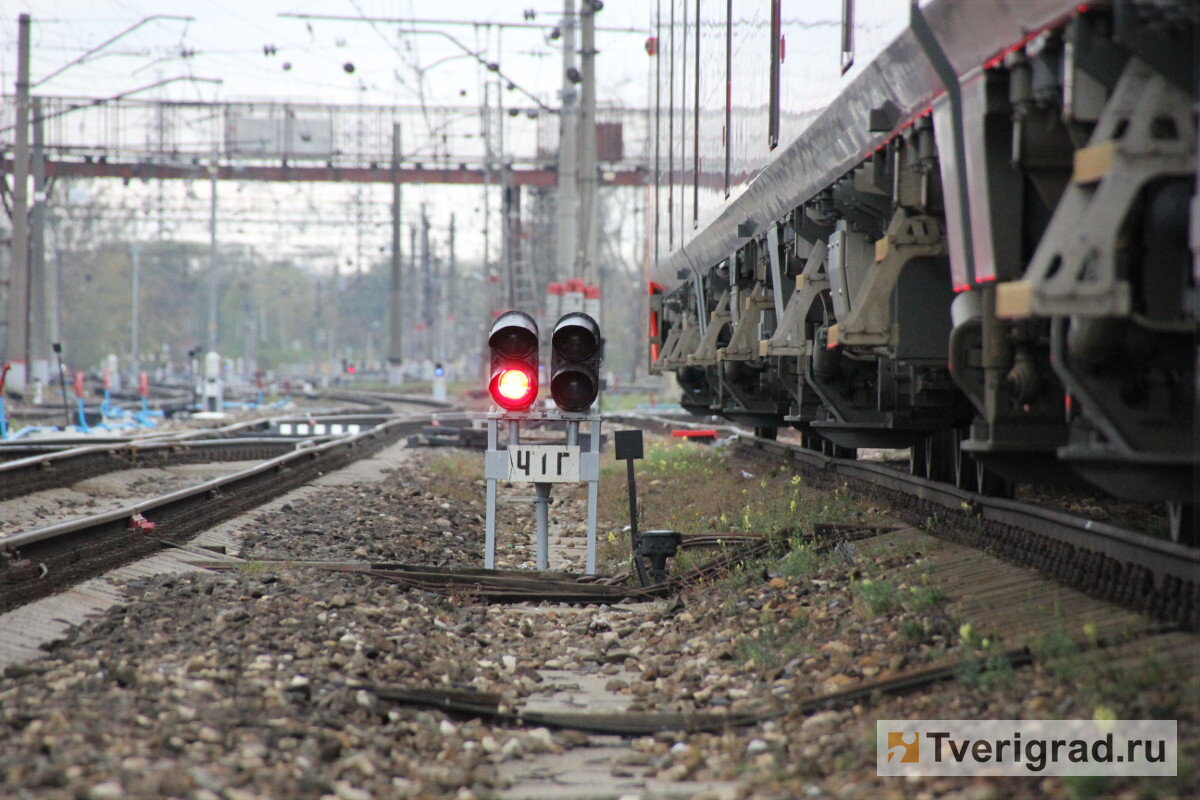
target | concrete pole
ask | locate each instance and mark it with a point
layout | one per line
(16, 349)
(135, 344)
(213, 284)
(412, 301)
(506, 241)
(437, 295)
(426, 287)
(451, 284)
(56, 285)
(250, 326)
(396, 288)
(485, 115)
(39, 338)
(567, 204)
(587, 145)
(335, 316)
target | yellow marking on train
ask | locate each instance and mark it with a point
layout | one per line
(1014, 299)
(1093, 163)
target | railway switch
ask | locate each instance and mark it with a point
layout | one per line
(656, 547)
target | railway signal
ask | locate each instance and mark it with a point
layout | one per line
(514, 367)
(575, 355)
(574, 384)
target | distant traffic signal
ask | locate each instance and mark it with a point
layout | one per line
(575, 362)
(514, 373)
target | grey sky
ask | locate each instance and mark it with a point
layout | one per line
(227, 39)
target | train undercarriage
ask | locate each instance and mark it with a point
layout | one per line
(1006, 286)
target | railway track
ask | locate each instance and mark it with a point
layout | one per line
(290, 451)
(1154, 576)
(363, 646)
(1151, 575)
(259, 439)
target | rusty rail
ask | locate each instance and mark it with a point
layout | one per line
(1149, 574)
(38, 562)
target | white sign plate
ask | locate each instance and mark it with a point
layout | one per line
(543, 463)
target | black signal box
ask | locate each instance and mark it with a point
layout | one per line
(628, 444)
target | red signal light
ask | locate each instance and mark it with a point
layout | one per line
(513, 342)
(513, 389)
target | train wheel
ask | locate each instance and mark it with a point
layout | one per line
(939, 456)
(766, 433)
(917, 459)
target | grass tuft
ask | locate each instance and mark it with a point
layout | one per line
(875, 598)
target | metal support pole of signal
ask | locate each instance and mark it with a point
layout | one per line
(587, 142)
(17, 345)
(567, 206)
(396, 288)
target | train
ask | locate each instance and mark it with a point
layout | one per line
(966, 228)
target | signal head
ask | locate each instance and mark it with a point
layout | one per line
(514, 361)
(514, 335)
(575, 362)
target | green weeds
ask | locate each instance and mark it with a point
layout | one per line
(876, 597)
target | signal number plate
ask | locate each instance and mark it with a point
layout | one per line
(543, 463)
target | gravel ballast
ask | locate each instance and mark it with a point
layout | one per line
(248, 684)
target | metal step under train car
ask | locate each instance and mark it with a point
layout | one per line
(964, 227)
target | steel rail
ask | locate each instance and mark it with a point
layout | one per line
(67, 552)
(58, 468)
(1154, 575)
(468, 702)
(63, 468)
(374, 407)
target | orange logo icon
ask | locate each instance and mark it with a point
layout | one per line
(905, 751)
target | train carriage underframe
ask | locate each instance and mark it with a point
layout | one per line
(1072, 353)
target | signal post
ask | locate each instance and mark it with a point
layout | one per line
(574, 385)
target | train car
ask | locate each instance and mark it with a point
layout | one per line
(964, 227)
